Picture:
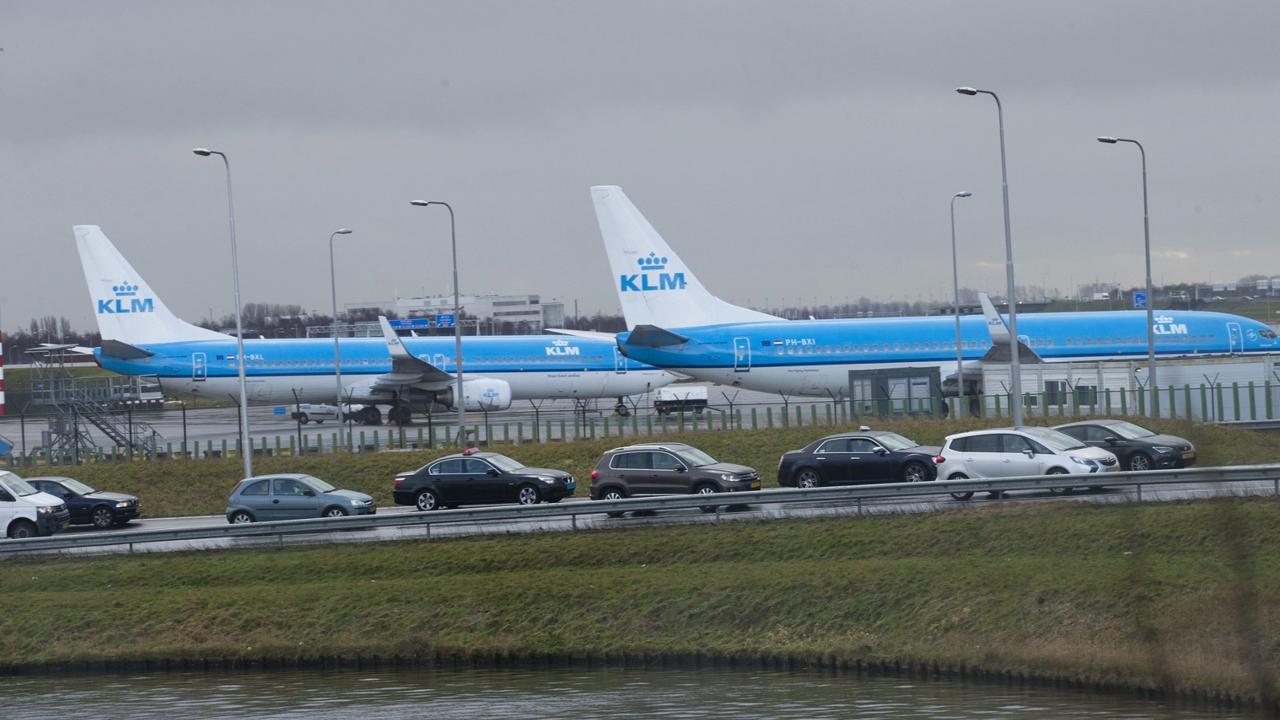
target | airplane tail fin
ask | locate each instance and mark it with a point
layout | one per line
(127, 309)
(654, 285)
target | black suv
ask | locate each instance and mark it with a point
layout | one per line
(474, 477)
(1137, 447)
(666, 469)
(866, 456)
(88, 506)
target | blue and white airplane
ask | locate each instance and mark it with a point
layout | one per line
(140, 336)
(677, 324)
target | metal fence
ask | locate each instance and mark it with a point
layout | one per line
(854, 495)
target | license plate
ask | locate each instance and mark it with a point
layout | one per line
(755, 485)
(1113, 468)
(1188, 455)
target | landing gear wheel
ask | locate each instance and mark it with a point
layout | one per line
(400, 415)
(621, 410)
(962, 496)
(371, 416)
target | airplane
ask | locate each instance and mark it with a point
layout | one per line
(141, 336)
(676, 323)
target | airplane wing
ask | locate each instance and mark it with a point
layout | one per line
(407, 369)
(588, 334)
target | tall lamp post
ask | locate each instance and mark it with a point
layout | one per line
(337, 352)
(1154, 408)
(246, 450)
(1015, 367)
(457, 318)
(955, 279)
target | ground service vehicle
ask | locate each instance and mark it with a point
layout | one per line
(26, 512)
(472, 477)
(1137, 447)
(858, 457)
(666, 469)
(88, 506)
(1019, 451)
(681, 398)
(293, 497)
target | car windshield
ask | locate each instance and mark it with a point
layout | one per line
(894, 441)
(696, 457)
(1128, 430)
(504, 463)
(19, 486)
(77, 487)
(1054, 440)
(317, 483)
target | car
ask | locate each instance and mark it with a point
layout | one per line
(88, 506)
(666, 469)
(315, 412)
(1019, 451)
(1137, 447)
(293, 496)
(866, 456)
(26, 512)
(472, 477)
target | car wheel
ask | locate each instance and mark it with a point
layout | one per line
(240, 517)
(528, 495)
(1058, 490)
(706, 489)
(915, 472)
(334, 511)
(808, 478)
(1139, 461)
(22, 529)
(319, 422)
(302, 418)
(427, 500)
(960, 495)
(103, 518)
(613, 494)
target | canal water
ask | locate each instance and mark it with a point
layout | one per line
(577, 694)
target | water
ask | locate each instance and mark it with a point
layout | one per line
(577, 694)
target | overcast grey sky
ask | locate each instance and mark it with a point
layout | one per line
(790, 151)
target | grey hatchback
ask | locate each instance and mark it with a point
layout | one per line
(666, 469)
(293, 497)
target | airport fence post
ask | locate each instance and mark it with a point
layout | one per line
(519, 433)
(506, 433)
(635, 425)
(1124, 403)
(1266, 386)
(293, 446)
(1106, 400)
(224, 449)
(208, 447)
(278, 443)
(1220, 390)
(996, 397)
(799, 416)
(1205, 410)
(1186, 401)
(1253, 403)
(1142, 399)
(562, 435)
(419, 437)
(768, 417)
(648, 424)
(1235, 399)
(168, 450)
(362, 440)
(813, 414)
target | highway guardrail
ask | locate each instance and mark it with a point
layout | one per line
(573, 510)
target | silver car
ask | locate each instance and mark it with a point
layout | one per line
(292, 497)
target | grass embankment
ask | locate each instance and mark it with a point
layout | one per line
(169, 488)
(1174, 595)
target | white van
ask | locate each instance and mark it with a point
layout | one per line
(27, 512)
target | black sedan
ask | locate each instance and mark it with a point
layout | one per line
(1137, 447)
(88, 506)
(860, 457)
(480, 477)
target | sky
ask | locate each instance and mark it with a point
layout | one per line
(791, 152)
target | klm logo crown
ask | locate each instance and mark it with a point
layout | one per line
(653, 262)
(124, 290)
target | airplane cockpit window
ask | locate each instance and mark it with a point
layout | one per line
(1269, 334)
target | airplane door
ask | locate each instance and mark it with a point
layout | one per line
(619, 362)
(741, 354)
(1235, 341)
(439, 361)
(199, 367)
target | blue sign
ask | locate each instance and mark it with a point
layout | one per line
(1139, 300)
(445, 320)
(278, 410)
(411, 324)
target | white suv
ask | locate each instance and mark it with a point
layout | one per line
(1019, 451)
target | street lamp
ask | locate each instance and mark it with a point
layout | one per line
(246, 450)
(457, 319)
(1015, 368)
(1146, 235)
(337, 353)
(955, 279)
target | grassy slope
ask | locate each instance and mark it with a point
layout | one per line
(1052, 589)
(186, 488)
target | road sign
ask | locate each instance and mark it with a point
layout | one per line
(445, 320)
(412, 324)
(1139, 300)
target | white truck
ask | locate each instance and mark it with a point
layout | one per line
(680, 398)
(26, 512)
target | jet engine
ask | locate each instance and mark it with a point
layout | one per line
(480, 394)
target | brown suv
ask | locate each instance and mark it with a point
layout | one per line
(666, 469)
